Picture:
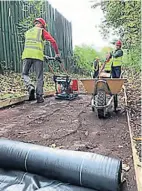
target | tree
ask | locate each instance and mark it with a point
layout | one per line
(124, 18)
(27, 22)
(104, 51)
(83, 58)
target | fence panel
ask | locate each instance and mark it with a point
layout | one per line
(14, 12)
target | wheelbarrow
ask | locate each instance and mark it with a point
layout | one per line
(104, 93)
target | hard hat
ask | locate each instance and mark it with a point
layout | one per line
(41, 20)
(119, 43)
(97, 57)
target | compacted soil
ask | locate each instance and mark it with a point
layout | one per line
(71, 125)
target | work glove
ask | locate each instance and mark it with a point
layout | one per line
(57, 57)
(46, 57)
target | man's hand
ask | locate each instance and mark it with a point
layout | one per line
(57, 57)
(108, 56)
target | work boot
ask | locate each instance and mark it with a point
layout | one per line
(40, 99)
(31, 90)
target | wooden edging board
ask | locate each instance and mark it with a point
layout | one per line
(13, 101)
(137, 165)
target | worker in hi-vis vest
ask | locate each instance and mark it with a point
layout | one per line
(108, 65)
(116, 57)
(33, 54)
(96, 66)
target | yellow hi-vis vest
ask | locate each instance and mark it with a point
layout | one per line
(34, 45)
(108, 66)
(97, 67)
(100, 64)
(117, 61)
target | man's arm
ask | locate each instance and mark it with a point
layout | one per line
(103, 65)
(117, 53)
(47, 36)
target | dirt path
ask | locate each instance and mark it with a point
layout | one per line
(70, 125)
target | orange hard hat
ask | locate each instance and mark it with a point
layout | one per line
(41, 20)
(119, 43)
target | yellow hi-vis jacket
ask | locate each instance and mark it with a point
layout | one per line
(108, 65)
(98, 65)
(117, 58)
(117, 61)
(34, 44)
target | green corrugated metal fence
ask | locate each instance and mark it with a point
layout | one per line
(13, 13)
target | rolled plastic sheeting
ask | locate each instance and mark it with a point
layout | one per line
(79, 168)
(21, 181)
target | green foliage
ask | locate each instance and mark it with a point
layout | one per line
(18, 18)
(27, 22)
(12, 86)
(83, 57)
(104, 51)
(4, 68)
(124, 18)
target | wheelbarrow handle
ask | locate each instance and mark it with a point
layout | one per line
(56, 59)
(49, 58)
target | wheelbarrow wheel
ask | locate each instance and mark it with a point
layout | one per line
(101, 101)
(101, 113)
(115, 102)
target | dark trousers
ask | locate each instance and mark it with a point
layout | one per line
(27, 63)
(96, 73)
(116, 71)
